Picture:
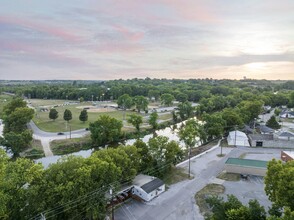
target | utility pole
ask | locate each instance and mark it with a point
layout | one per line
(189, 161)
(112, 212)
(235, 135)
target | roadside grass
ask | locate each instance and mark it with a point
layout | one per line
(35, 151)
(67, 146)
(229, 176)
(176, 174)
(209, 190)
(165, 116)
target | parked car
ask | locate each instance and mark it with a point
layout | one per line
(60, 133)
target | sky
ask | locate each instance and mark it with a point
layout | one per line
(122, 39)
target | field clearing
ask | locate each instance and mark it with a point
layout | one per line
(42, 120)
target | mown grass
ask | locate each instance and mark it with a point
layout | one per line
(176, 174)
(209, 190)
(42, 120)
(229, 176)
(66, 146)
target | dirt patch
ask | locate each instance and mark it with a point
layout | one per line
(91, 108)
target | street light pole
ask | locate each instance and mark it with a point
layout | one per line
(112, 213)
(189, 161)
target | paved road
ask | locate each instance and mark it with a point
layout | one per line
(47, 137)
(178, 201)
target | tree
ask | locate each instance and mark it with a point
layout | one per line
(279, 181)
(84, 115)
(167, 99)
(164, 154)
(53, 114)
(153, 94)
(250, 110)
(146, 163)
(214, 125)
(17, 120)
(67, 116)
(136, 121)
(181, 97)
(141, 103)
(153, 120)
(232, 118)
(272, 123)
(17, 142)
(188, 134)
(126, 158)
(185, 110)
(105, 130)
(125, 102)
(13, 105)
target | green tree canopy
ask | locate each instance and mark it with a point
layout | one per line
(141, 103)
(53, 114)
(167, 99)
(272, 123)
(105, 130)
(136, 121)
(153, 120)
(83, 115)
(67, 116)
(125, 102)
(279, 182)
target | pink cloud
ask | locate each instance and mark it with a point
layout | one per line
(53, 31)
(128, 34)
(37, 54)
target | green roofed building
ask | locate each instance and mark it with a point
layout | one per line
(246, 166)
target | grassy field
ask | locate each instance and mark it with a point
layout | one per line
(208, 190)
(42, 120)
(66, 146)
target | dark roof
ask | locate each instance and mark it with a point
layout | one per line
(154, 184)
(265, 129)
(247, 162)
(261, 137)
(286, 134)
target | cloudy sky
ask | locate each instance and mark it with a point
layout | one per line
(111, 39)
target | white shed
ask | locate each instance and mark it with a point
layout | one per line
(147, 187)
(238, 138)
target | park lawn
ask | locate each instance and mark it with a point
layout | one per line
(45, 102)
(42, 120)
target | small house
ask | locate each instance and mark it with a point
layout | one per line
(147, 187)
(287, 155)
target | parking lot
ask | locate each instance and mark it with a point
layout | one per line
(247, 189)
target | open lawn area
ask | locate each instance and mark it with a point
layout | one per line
(41, 118)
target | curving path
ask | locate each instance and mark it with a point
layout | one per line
(46, 137)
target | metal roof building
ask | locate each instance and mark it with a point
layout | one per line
(246, 166)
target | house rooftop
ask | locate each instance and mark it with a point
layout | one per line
(154, 184)
(290, 153)
(142, 179)
(286, 134)
(265, 129)
(261, 137)
(247, 162)
(238, 134)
